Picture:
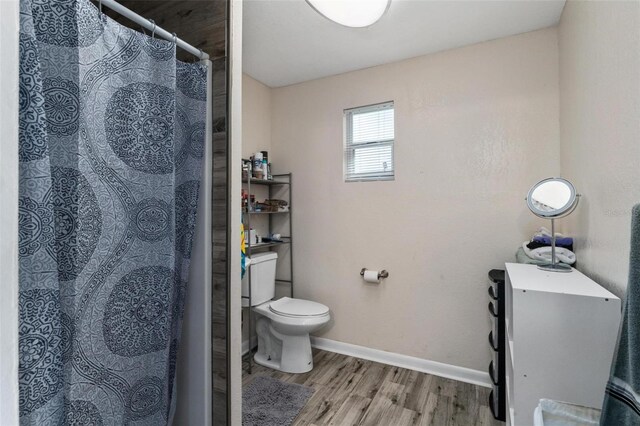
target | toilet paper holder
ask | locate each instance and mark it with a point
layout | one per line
(381, 274)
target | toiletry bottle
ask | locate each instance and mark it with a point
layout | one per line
(257, 165)
(257, 160)
(265, 171)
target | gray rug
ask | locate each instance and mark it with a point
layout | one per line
(271, 402)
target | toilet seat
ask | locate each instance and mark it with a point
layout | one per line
(296, 308)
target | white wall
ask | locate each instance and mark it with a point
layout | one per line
(475, 128)
(256, 116)
(256, 136)
(9, 18)
(600, 130)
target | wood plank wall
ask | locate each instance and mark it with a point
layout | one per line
(204, 24)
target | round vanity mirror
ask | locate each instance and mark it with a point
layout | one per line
(553, 198)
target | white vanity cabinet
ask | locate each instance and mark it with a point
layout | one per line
(561, 332)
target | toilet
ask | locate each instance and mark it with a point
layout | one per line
(282, 325)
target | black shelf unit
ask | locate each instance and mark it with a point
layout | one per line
(254, 181)
(497, 342)
(285, 240)
(283, 180)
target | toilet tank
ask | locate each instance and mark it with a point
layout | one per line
(263, 278)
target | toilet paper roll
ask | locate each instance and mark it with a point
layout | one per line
(371, 276)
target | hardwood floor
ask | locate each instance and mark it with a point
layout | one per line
(352, 391)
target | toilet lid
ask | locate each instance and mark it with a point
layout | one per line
(298, 308)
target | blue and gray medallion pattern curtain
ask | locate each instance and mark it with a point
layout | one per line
(112, 132)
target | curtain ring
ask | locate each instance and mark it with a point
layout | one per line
(201, 54)
(153, 30)
(101, 16)
(175, 38)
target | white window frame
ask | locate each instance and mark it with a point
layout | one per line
(349, 147)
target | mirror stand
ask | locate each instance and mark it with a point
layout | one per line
(552, 199)
(554, 266)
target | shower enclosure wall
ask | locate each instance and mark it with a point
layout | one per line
(194, 359)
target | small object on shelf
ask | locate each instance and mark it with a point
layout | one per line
(246, 169)
(276, 205)
(257, 163)
(263, 207)
(273, 238)
(265, 165)
(245, 200)
(251, 236)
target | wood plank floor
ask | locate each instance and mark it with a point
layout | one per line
(352, 391)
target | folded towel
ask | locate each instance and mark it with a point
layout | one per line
(536, 244)
(521, 257)
(560, 241)
(544, 253)
(622, 396)
(544, 232)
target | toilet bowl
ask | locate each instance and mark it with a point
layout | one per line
(282, 325)
(283, 328)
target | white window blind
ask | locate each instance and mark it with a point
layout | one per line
(369, 138)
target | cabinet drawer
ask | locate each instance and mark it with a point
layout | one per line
(492, 342)
(493, 291)
(493, 309)
(496, 278)
(493, 372)
(494, 367)
(493, 401)
(495, 332)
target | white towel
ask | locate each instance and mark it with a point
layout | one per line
(544, 253)
(544, 232)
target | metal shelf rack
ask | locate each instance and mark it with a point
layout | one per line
(283, 180)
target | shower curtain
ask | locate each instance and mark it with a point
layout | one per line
(112, 132)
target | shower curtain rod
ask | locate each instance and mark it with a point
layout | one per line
(151, 26)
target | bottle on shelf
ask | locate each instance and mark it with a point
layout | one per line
(258, 171)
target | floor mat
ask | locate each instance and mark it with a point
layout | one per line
(271, 402)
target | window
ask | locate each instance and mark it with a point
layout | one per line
(368, 148)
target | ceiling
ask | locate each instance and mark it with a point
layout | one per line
(287, 42)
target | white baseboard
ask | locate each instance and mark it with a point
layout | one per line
(448, 371)
(461, 374)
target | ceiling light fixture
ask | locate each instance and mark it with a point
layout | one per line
(351, 13)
